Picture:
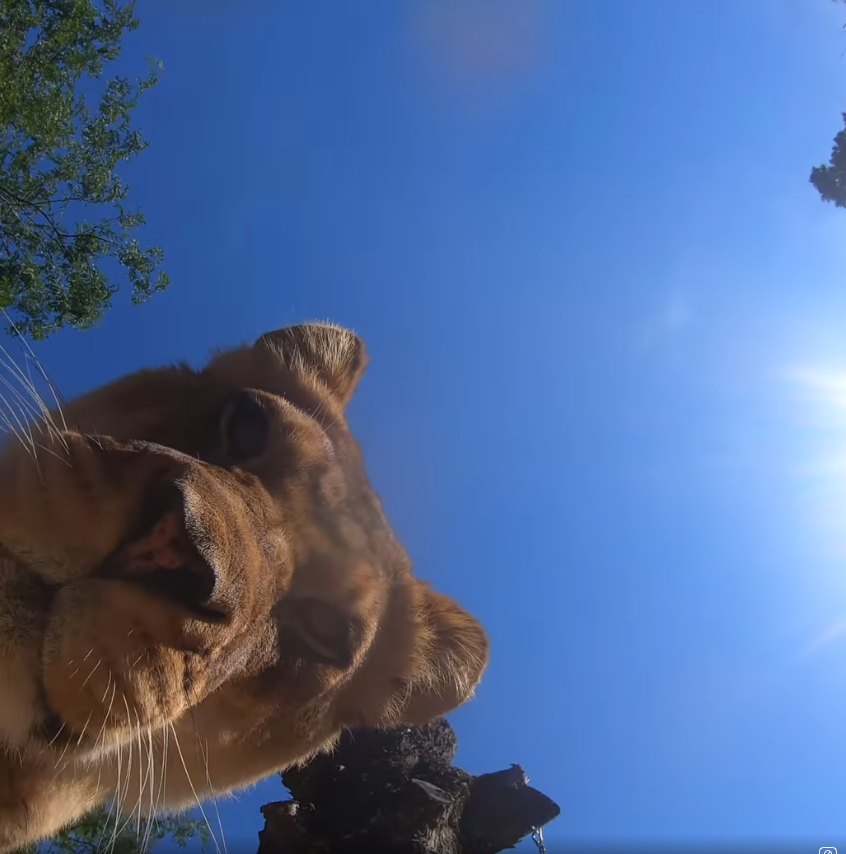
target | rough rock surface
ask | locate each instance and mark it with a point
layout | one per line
(397, 790)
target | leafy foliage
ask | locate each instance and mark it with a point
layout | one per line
(830, 180)
(96, 833)
(62, 205)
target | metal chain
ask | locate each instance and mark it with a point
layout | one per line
(537, 838)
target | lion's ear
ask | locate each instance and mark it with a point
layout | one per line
(332, 355)
(451, 654)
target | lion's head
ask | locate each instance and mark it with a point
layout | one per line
(200, 554)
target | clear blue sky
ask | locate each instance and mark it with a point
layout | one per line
(607, 319)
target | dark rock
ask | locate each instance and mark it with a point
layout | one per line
(397, 790)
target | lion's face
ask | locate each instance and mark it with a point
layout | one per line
(207, 544)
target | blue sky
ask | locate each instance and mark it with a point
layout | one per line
(607, 401)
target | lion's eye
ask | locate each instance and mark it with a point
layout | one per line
(245, 428)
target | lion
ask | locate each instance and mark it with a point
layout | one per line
(199, 587)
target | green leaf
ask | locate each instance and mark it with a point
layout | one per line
(101, 831)
(61, 215)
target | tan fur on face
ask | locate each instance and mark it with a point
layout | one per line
(199, 587)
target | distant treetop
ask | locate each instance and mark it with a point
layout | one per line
(65, 228)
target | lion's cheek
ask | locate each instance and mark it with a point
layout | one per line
(116, 659)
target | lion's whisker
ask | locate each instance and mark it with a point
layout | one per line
(58, 733)
(102, 733)
(205, 757)
(42, 410)
(58, 397)
(193, 790)
(87, 678)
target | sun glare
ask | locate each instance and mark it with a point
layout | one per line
(815, 461)
(817, 450)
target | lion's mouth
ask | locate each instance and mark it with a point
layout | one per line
(173, 587)
(161, 558)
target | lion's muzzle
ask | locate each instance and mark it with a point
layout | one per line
(164, 560)
(148, 631)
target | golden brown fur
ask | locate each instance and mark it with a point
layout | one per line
(198, 587)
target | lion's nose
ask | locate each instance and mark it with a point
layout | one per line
(164, 560)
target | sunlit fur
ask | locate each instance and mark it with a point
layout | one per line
(176, 623)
